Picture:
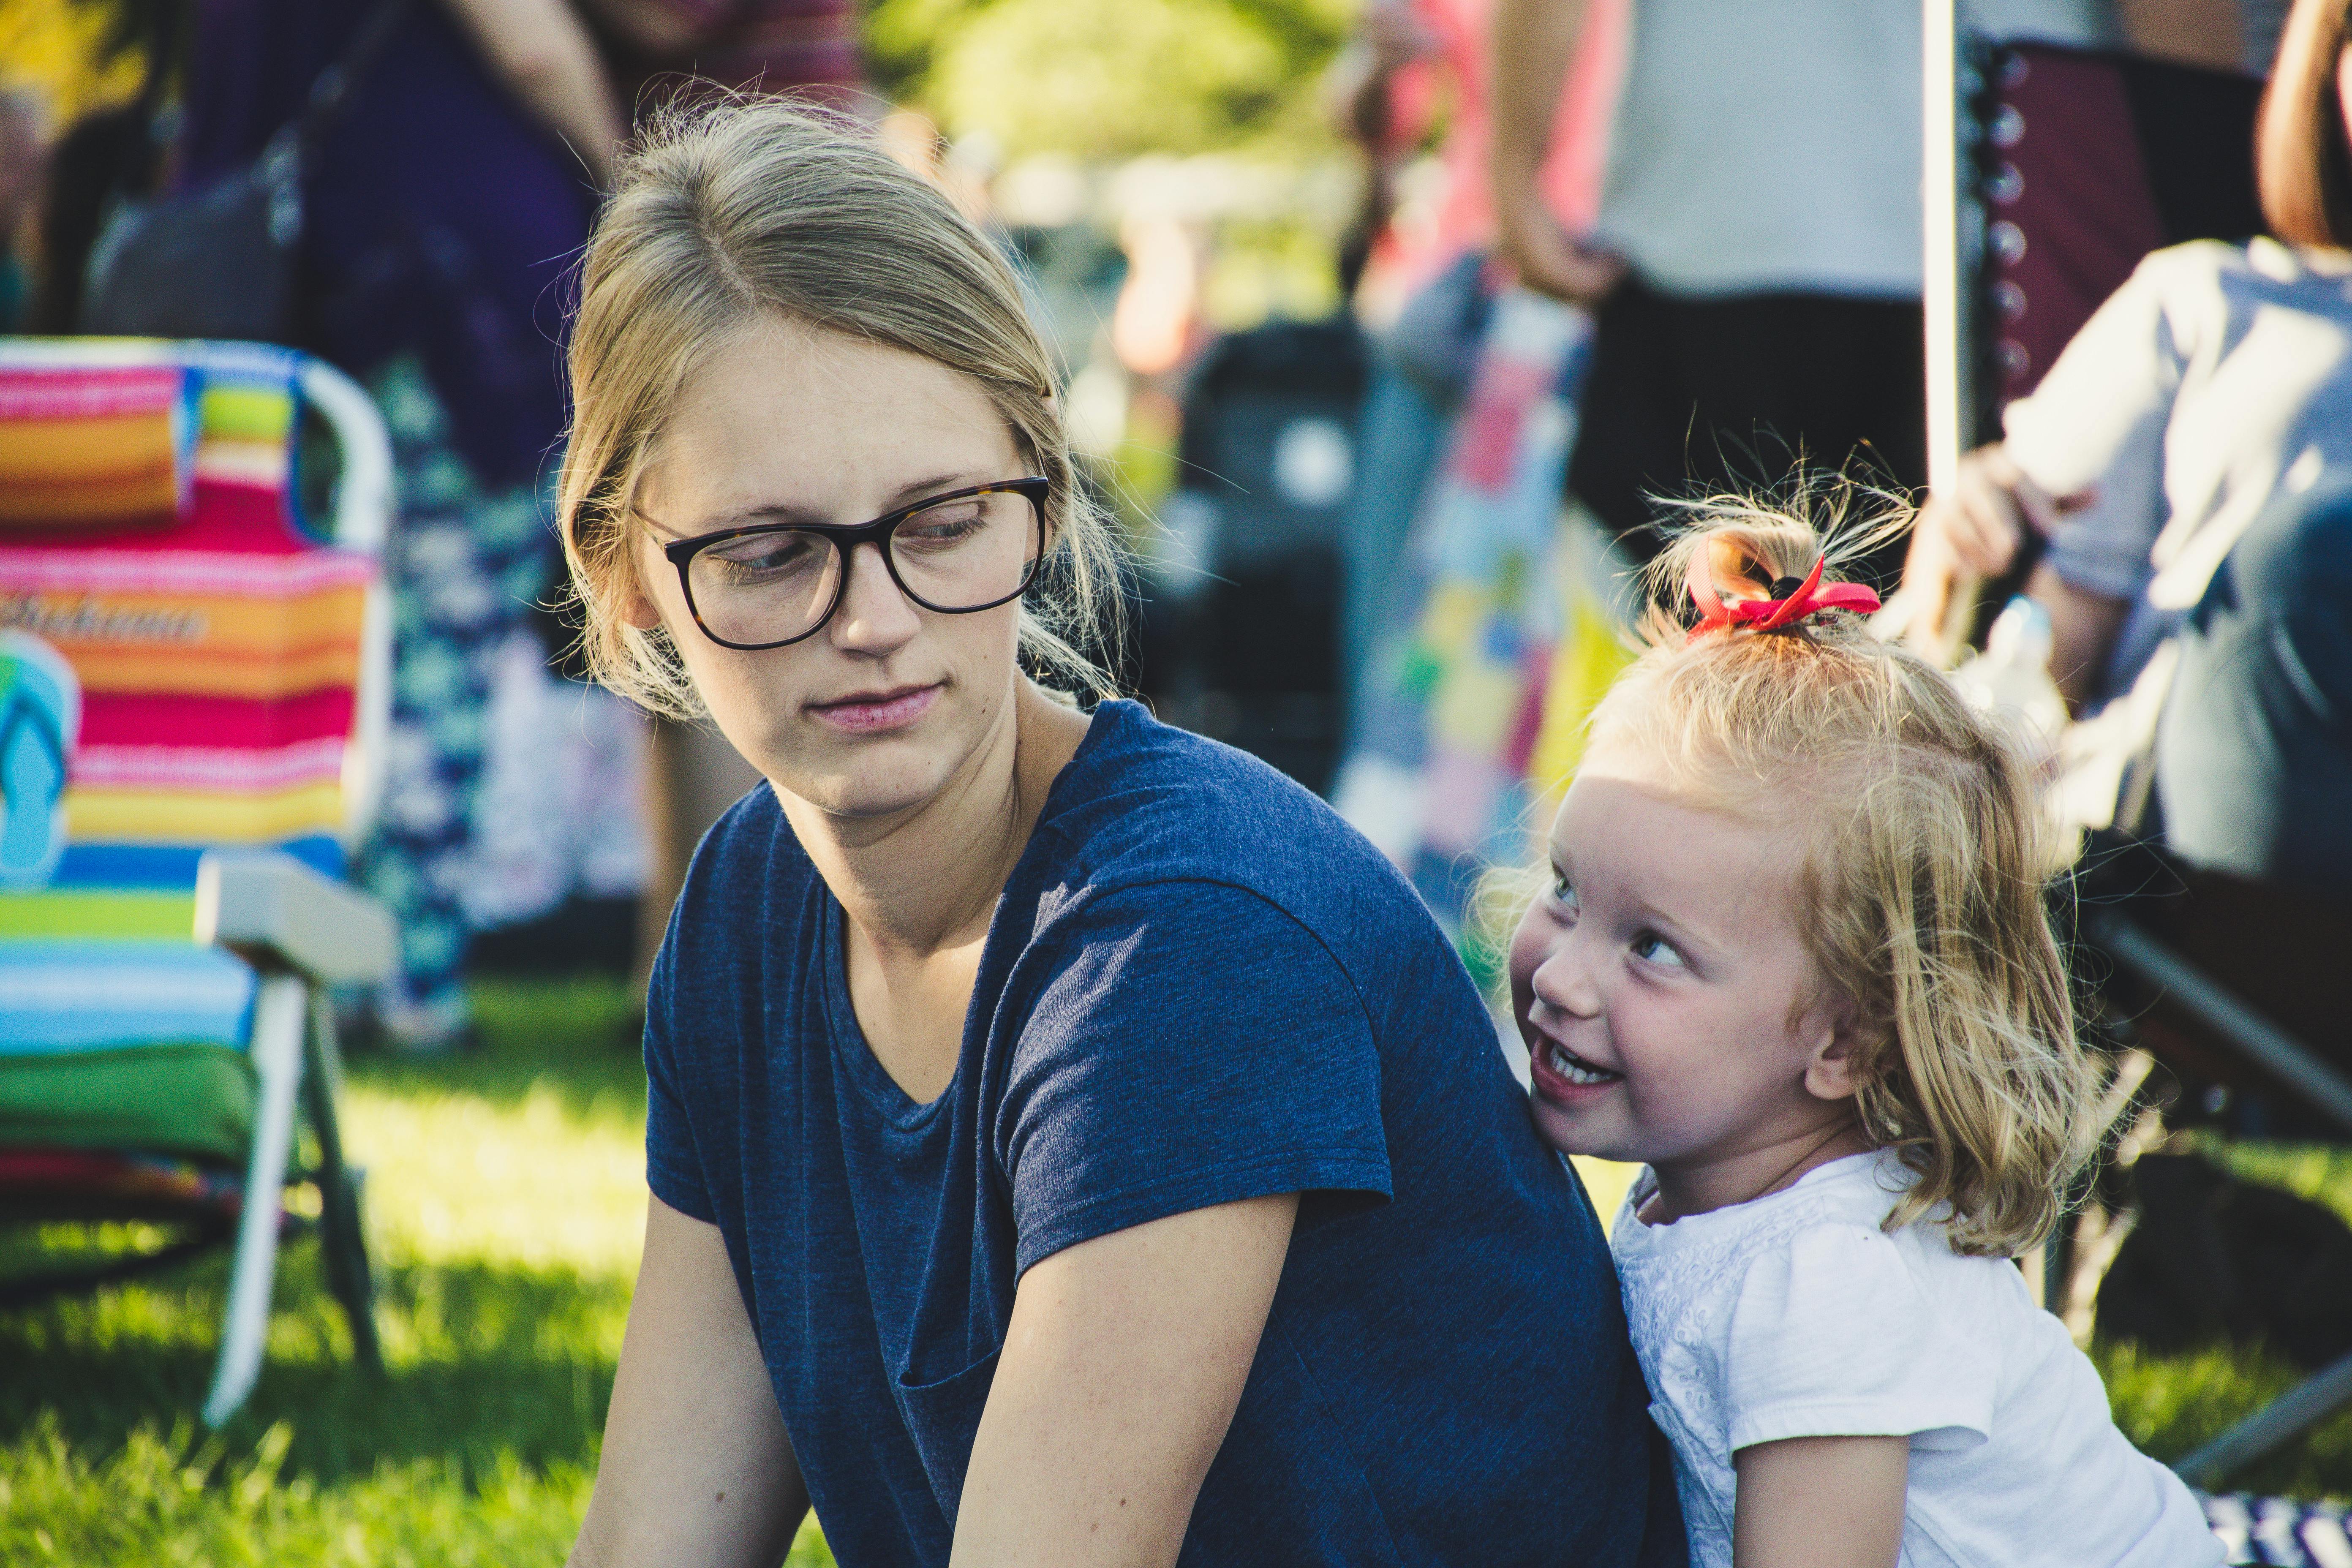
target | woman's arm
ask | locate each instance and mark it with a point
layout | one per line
(1820, 1502)
(539, 49)
(696, 1468)
(1121, 1372)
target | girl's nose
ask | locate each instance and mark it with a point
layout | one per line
(875, 617)
(1563, 981)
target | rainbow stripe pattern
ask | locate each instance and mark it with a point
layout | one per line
(218, 655)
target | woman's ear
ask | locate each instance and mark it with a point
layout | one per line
(637, 606)
(1832, 1062)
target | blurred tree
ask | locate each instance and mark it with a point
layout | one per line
(1111, 79)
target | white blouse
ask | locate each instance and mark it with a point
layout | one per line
(1796, 1316)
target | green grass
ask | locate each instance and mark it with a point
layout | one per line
(506, 1204)
(506, 1201)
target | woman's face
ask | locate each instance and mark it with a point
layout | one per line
(880, 708)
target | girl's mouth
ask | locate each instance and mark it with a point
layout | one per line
(1559, 1072)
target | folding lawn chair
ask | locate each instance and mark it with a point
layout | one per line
(2068, 167)
(163, 1026)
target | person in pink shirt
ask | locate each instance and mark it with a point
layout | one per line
(1431, 270)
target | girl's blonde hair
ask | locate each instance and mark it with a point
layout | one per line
(1923, 892)
(727, 212)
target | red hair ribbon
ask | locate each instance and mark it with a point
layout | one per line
(1769, 615)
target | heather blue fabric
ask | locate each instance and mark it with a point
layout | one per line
(1200, 986)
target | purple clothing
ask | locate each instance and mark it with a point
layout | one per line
(442, 219)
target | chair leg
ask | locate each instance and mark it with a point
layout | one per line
(280, 1009)
(342, 1238)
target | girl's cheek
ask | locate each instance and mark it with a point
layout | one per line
(1529, 947)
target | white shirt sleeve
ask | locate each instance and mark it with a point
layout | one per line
(1831, 1335)
(2096, 424)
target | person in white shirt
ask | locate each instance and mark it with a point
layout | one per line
(2189, 458)
(1794, 957)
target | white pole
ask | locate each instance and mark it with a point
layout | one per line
(1939, 193)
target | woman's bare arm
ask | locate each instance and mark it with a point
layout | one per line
(1121, 1372)
(1820, 1502)
(696, 1468)
(540, 50)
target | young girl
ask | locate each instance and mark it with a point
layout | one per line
(1794, 958)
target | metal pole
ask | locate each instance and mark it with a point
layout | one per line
(2254, 1036)
(2272, 1424)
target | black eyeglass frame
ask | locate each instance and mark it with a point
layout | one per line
(845, 538)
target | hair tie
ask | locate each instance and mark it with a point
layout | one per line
(1792, 600)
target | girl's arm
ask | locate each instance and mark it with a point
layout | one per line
(1820, 1502)
(696, 1467)
(1121, 1372)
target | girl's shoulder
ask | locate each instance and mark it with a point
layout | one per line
(1818, 1249)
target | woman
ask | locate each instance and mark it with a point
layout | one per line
(2187, 458)
(1069, 1142)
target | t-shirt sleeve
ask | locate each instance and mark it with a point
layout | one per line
(1191, 1045)
(2096, 424)
(1833, 1336)
(673, 1167)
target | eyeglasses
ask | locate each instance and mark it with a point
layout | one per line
(776, 582)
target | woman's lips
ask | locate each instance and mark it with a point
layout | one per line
(865, 714)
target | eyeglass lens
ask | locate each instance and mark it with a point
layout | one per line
(963, 554)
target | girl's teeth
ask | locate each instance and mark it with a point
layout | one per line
(1575, 1071)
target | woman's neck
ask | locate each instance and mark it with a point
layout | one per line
(926, 879)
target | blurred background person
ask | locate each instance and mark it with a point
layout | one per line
(658, 48)
(442, 211)
(2185, 471)
(1763, 195)
(1422, 271)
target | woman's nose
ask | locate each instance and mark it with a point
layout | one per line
(875, 616)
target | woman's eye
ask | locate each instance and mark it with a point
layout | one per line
(942, 525)
(1652, 948)
(764, 556)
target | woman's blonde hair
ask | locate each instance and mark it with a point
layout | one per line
(727, 212)
(1921, 896)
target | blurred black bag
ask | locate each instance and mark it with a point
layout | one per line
(2215, 1259)
(219, 263)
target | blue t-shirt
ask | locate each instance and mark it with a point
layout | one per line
(1199, 986)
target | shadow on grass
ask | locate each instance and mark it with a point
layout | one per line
(489, 1366)
(578, 1040)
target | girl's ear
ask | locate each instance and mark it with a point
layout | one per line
(1836, 1051)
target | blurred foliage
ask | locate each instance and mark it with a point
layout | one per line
(78, 55)
(1107, 81)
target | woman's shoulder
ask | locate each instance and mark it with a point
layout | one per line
(746, 862)
(1147, 803)
(2211, 276)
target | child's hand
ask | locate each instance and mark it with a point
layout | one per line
(1820, 1502)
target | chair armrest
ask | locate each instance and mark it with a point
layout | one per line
(276, 914)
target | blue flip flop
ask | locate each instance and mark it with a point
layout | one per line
(41, 719)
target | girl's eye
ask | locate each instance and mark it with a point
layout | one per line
(1563, 892)
(1652, 948)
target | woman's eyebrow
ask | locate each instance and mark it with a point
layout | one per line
(809, 517)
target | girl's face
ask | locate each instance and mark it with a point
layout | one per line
(877, 712)
(1661, 983)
